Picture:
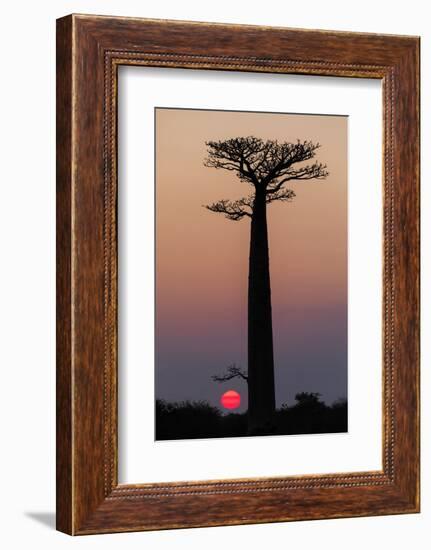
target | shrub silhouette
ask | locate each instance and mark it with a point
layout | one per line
(186, 419)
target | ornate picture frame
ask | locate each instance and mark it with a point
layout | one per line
(89, 51)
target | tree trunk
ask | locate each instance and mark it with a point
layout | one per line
(261, 394)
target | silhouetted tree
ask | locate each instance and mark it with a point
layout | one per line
(266, 166)
(231, 372)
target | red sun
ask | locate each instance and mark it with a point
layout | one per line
(230, 399)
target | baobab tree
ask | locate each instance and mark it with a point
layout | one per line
(266, 166)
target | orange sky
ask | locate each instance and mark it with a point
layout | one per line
(202, 257)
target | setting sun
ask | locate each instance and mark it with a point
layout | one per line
(230, 399)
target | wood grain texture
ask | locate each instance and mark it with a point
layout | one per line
(90, 49)
(64, 496)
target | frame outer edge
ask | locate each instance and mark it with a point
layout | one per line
(64, 367)
(83, 504)
(407, 280)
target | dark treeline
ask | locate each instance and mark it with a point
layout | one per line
(199, 419)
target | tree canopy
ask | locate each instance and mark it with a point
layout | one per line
(266, 165)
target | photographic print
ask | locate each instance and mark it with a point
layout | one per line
(251, 274)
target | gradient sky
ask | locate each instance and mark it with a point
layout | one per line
(202, 260)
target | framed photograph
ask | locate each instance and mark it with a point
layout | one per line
(237, 274)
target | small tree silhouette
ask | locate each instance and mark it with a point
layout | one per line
(306, 399)
(266, 166)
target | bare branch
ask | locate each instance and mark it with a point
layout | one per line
(286, 195)
(284, 155)
(233, 210)
(231, 372)
(237, 154)
(312, 171)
